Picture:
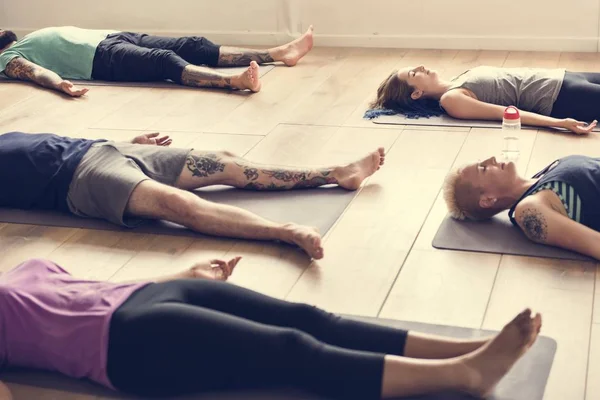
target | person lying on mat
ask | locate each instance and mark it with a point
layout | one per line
(125, 183)
(193, 332)
(557, 206)
(51, 56)
(545, 97)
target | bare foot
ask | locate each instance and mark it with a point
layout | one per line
(250, 78)
(307, 238)
(491, 362)
(352, 175)
(292, 52)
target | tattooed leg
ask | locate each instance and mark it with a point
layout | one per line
(289, 53)
(233, 56)
(224, 168)
(205, 77)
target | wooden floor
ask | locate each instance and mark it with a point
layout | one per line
(379, 260)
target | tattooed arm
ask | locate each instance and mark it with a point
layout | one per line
(543, 223)
(20, 68)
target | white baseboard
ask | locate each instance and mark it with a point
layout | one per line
(237, 38)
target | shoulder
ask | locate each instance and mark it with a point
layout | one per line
(531, 214)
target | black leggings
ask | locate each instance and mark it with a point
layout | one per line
(128, 56)
(191, 336)
(579, 97)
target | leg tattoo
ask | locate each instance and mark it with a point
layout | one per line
(267, 179)
(231, 56)
(205, 77)
(205, 165)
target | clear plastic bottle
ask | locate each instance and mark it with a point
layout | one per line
(511, 123)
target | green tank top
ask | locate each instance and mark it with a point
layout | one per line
(68, 51)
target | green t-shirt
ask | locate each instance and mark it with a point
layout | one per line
(68, 51)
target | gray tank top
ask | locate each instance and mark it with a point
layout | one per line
(529, 89)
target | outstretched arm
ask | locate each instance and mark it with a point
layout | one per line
(20, 68)
(458, 105)
(543, 224)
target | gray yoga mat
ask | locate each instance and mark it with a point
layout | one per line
(263, 70)
(319, 207)
(496, 235)
(526, 381)
(446, 120)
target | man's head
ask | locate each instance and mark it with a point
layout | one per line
(481, 190)
(7, 38)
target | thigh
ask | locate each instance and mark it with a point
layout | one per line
(578, 98)
(162, 164)
(171, 349)
(194, 49)
(254, 306)
(120, 60)
(102, 184)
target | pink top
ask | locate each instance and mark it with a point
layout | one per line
(50, 320)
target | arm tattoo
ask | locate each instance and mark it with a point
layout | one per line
(240, 57)
(204, 77)
(18, 69)
(205, 165)
(534, 225)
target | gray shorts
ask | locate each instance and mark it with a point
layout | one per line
(109, 172)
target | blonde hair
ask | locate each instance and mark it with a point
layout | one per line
(462, 198)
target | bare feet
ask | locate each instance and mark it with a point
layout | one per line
(491, 362)
(352, 175)
(308, 239)
(292, 52)
(250, 78)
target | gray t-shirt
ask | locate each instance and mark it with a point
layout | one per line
(529, 89)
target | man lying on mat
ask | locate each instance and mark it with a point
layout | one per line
(546, 97)
(557, 206)
(192, 332)
(126, 182)
(50, 56)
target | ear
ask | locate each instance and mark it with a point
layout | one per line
(487, 201)
(416, 94)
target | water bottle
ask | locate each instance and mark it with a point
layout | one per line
(511, 123)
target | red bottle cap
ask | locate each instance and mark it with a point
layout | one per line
(512, 113)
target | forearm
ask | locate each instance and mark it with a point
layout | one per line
(47, 79)
(533, 119)
(24, 70)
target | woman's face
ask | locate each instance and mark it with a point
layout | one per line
(420, 78)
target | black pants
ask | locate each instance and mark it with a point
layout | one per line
(190, 336)
(127, 56)
(579, 97)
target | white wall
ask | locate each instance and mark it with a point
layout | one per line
(549, 25)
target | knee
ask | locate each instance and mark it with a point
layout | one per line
(294, 342)
(311, 314)
(163, 54)
(177, 202)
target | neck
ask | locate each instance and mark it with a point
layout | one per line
(519, 189)
(438, 92)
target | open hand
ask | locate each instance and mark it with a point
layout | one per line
(72, 90)
(217, 270)
(580, 128)
(152, 139)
